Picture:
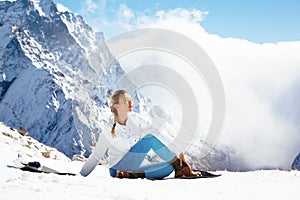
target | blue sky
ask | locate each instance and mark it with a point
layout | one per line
(254, 20)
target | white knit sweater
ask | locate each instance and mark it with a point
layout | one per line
(126, 136)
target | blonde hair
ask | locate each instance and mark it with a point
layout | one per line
(114, 99)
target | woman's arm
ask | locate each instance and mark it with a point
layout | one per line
(97, 153)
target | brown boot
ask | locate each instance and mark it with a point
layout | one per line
(182, 168)
(130, 174)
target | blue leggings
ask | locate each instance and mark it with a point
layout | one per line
(133, 159)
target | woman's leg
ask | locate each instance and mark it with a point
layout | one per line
(157, 170)
(134, 158)
(161, 149)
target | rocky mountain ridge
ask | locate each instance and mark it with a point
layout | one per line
(52, 67)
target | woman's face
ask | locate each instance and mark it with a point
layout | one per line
(125, 104)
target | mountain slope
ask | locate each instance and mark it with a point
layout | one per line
(51, 70)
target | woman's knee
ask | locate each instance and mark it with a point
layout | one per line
(149, 135)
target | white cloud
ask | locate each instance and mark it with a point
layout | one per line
(194, 16)
(114, 21)
(174, 17)
(89, 6)
(125, 14)
(256, 79)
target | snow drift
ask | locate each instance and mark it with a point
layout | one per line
(17, 184)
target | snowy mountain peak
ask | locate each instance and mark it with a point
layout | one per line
(43, 6)
(51, 67)
(62, 8)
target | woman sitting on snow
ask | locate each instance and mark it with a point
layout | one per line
(127, 146)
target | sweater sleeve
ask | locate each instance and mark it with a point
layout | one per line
(97, 153)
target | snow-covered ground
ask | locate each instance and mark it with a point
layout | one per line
(17, 184)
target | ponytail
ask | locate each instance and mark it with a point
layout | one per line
(114, 99)
(113, 132)
(115, 112)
